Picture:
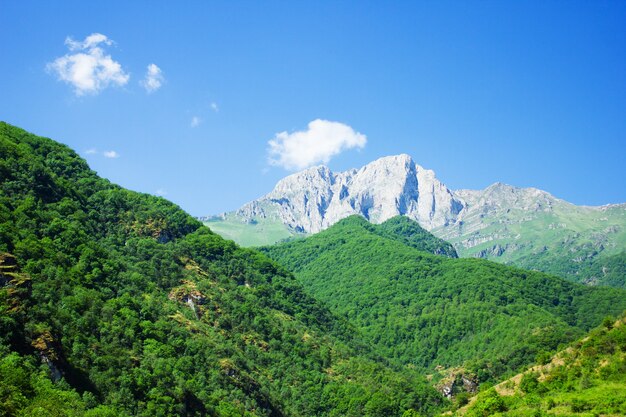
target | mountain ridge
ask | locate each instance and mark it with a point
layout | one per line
(527, 227)
(315, 198)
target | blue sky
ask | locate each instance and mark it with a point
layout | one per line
(527, 93)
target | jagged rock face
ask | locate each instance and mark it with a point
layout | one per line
(501, 196)
(314, 199)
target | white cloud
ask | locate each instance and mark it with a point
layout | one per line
(153, 79)
(161, 192)
(195, 121)
(90, 41)
(214, 107)
(318, 144)
(89, 69)
(91, 151)
(110, 154)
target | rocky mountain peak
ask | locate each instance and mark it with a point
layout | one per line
(314, 199)
(317, 176)
(392, 160)
(504, 195)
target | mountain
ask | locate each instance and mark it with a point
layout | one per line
(525, 227)
(587, 378)
(532, 229)
(314, 199)
(430, 311)
(116, 303)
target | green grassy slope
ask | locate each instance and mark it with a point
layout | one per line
(545, 234)
(249, 234)
(115, 303)
(427, 310)
(586, 379)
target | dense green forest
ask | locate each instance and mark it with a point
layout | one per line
(410, 233)
(586, 379)
(115, 303)
(431, 311)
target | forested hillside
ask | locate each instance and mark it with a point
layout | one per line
(431, 311)
(410, 233)
(115, 303)
(587, 378)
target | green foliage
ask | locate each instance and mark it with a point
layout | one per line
(140, 310)
(588, 378)
(591, 269)
(488, 403)
(411, 413)
(410, 233)
(26, 390)
(529, 383)
(427, 310)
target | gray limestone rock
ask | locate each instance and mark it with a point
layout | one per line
(316, 198)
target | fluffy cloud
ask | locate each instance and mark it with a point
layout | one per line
(214, 107)
(318, 144)
(90, 42)
(88, 69)
(161, 192)
(110, 154)
(195, 121)
(153, 79)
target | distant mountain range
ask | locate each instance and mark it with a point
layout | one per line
(521, 226)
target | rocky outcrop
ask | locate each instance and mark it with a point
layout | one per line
(48, 349)
(455, 381)
(316, 198)
(188, 294)
(17, 284)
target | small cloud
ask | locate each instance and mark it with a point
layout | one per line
(318, 144)
(161, 192)
(153, 79)
(195, 121)
(89, 70)
(110, 154)
(214, 107)
(90, 42)
(91, 151)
